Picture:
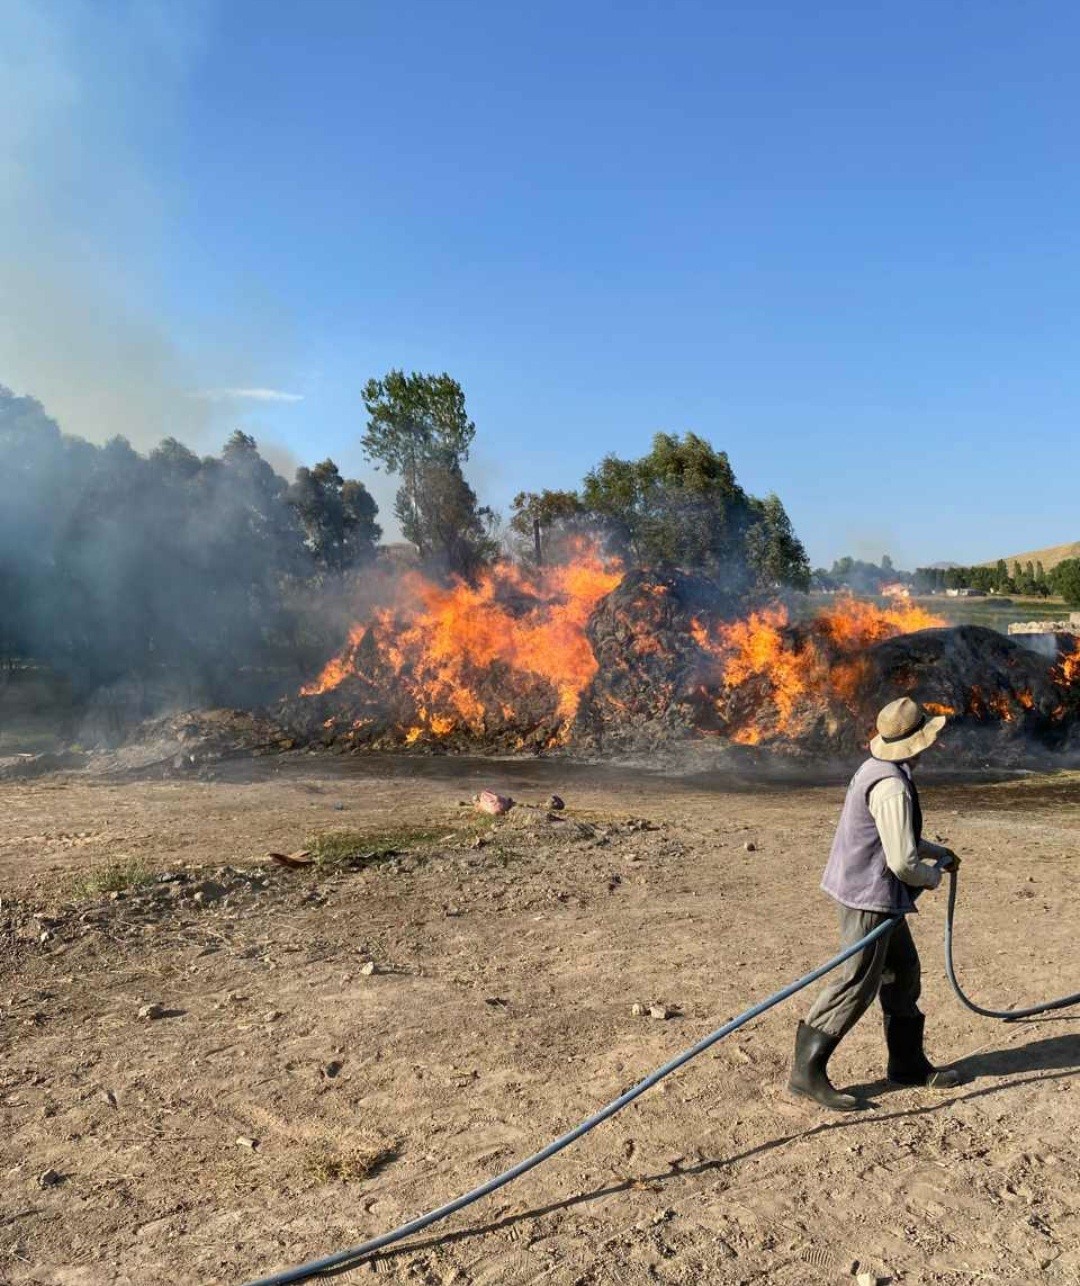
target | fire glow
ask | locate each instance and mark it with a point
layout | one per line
(782, 669)
(512, 651)
(442, 642)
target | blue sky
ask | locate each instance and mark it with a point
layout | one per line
(838, 240)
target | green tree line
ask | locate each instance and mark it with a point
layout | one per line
(1030, 579)
(115, 562)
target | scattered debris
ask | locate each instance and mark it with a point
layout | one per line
(326, 1164)
(555, 804)
(750, 846)
(294, 861)
(663, 1011)
(332, 1068)
(49, 1178)
(637, 1010)
(368, 968)
(152, 1011)
(243, 1141)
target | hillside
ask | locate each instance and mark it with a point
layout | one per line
(1048, 557)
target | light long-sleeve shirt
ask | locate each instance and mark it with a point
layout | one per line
(890, 807)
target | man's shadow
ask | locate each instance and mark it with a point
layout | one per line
(1050, 1059)
(1051, 1054)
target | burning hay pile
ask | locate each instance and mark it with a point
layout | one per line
(499, 665)
(586, 657)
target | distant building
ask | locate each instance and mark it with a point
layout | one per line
(964, 592)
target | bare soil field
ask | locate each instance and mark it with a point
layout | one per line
(213, 1066)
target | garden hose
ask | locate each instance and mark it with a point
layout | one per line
(345, 1260)
(1006, 1015)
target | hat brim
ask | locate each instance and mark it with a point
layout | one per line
(923, 739)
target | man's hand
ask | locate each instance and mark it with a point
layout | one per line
(951, 862)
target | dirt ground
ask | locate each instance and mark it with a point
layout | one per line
(344, 1046)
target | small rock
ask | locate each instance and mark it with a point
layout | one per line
(750, 846)
(661, 1011)
(637, 1010)
(332, 1068)
(555, 804)
(49, 1178)
(209, 891)
(368, 968)
(866, 1279)
(109, 1097)
(272, 1016)
(244, 1142)
(150, 1012)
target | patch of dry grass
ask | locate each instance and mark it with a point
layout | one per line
(324, 1163)
(116, 877)
(356, 849)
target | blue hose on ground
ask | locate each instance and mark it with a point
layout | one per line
(346, 1259)
(349, 1258)
(1007, 1015)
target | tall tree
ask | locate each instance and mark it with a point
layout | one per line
(450, 528)
(774, 551)
(416, 423)
(1065, 580)
(678, 504)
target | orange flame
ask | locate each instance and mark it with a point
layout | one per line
(441, 640)
(857, 623)
(785, 668)
(338, 669)
(1068, 668)
(511, 653)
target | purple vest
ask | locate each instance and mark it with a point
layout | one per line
(857, 874)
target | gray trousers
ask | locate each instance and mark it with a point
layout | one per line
(888, 968)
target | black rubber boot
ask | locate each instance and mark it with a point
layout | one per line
(813, 1049)
(908, 1064)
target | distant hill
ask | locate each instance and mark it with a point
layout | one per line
(1048, 557)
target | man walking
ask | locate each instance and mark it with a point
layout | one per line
(875, 863)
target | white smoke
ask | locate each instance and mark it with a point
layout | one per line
(90, 97)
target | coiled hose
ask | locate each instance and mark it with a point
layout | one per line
(344, 1260)
(1006, 1015)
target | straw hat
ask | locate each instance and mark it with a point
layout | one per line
(904, 731)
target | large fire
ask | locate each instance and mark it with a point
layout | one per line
(782, 667)
(508, 634)
(512, 651)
